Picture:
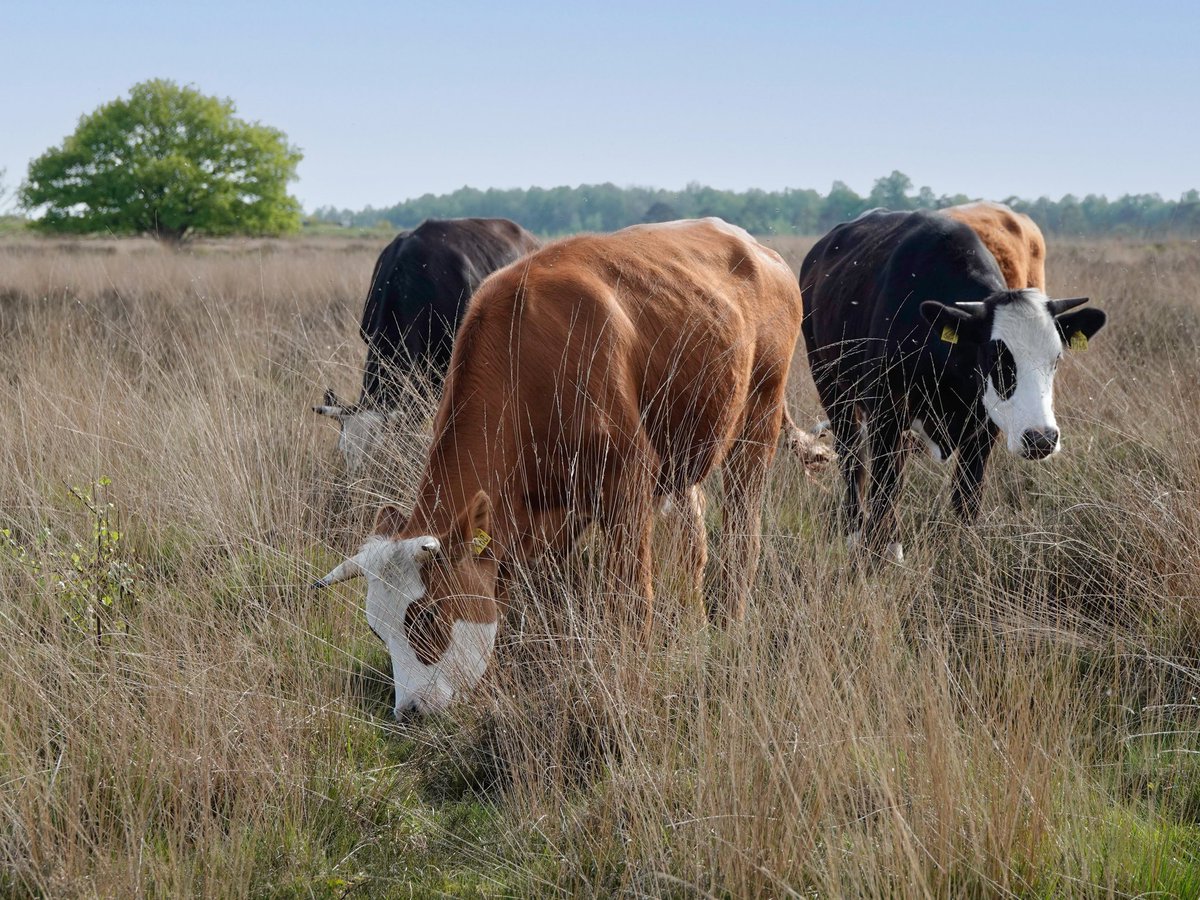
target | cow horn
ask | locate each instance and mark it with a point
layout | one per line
(1058, 307)
(344, 572)
(330, 406)
(427, 549)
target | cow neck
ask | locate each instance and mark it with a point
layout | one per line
(455, 472)
(472, 450)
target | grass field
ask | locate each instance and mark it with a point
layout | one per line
(1013, 712)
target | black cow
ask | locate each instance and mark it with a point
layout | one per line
(419, 292)
(910, 326)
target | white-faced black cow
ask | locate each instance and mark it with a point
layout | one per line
(910, 326)
(419, 292)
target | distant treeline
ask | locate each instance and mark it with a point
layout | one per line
(605, 207)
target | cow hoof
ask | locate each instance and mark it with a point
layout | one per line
(860, 553)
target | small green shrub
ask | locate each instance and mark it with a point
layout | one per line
(98, 583)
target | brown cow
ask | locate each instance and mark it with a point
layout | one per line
(1013, 237)
(591, 381)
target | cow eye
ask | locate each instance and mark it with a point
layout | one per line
(1004, 370)
(418, 618)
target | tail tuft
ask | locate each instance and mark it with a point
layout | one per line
(807, 444)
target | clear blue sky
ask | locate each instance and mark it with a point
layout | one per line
(392, 100)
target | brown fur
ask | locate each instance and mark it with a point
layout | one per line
(1014, 239)
(594, 376)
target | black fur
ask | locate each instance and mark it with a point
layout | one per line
(419, 292)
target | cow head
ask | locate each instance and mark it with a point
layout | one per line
(1018, 338)
(360, 429)
(431, 598)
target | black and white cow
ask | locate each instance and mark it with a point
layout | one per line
(909, 325)
(419, 292)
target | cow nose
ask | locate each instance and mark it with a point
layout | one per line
(1038, 444)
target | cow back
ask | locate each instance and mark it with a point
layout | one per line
(1013, 238)
(419, 291)
(864, 283)
(647, 344)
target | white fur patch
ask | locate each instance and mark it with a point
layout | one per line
(935, 449)
(1028, 330)
(360, 432)
(466, 659)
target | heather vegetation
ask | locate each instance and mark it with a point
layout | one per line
(1012, 712)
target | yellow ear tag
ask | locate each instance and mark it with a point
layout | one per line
(1078, 341)
(480, 542)
(949, 335)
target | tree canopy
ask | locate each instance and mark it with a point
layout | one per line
(168, 162)
(604, 207)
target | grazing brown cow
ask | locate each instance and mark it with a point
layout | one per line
(1013, 237)
(591, 381)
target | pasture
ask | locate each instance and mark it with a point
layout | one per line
(1014, 711)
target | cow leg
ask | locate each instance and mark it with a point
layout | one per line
(745, 477)
(889, 451)
(847, 436)
(684, 514)
(973, 455)
(627, 517)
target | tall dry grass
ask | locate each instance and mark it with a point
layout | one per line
(1012, 712)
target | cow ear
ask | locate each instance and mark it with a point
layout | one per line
(952, 323)
(1082, 323)
(390, 520)
(472, 530)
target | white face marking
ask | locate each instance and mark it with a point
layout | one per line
(393, 573)
(465, 660)
(935, 450)
(1028, 331)
(360, 432)
(430, 689)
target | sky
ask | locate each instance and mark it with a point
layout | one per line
(389, 101)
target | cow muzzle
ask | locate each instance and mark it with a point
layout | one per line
(1039, 443)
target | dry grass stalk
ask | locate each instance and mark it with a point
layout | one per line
(1012, 712)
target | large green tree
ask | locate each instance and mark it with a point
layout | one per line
(168, 162)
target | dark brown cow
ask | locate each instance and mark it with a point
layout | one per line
(591, 381)
(1013, 237)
